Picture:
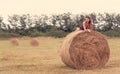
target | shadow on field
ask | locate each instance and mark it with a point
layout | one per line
(21, 68)
(110, 65)
(40, 67)
(113, 64)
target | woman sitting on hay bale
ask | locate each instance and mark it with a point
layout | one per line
(87, 25)
(84, 48)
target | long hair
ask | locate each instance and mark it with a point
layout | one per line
(90, 20)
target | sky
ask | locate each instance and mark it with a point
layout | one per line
(38, 7)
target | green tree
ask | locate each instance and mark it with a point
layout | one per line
(14, 21)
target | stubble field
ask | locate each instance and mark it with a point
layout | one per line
(45, 58)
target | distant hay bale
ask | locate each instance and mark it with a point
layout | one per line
(34, 42)
(85, 50)
(14, 41)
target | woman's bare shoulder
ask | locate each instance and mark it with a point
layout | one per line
(84, 22)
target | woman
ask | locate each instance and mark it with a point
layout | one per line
(87, 25)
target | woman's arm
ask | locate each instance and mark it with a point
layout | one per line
(84, 26)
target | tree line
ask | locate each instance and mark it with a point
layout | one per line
(57, 25)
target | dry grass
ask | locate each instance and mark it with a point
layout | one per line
(45, 59)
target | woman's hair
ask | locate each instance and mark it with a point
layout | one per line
(90, 20)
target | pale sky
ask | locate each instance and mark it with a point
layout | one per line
(8, 7)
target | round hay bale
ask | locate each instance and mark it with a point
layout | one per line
(85, 50)
(34, 42)
(14, 41)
